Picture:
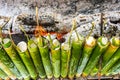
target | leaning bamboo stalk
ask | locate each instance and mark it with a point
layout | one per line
(7, 61)
(44, 52)
(101, 46)
(89, 45)
(25, 56)
(111, 62)
(11, 51)
(114, 45)
(35, 55)
(55, 56)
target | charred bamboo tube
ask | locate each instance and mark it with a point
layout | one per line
(114, 45)
(111, 62)
(15, 57)
(35, 55)
(3, 75)
(102, 45)
(7, 61)
(55, 57)
(89, 45)
(44, 52)
(76, 49)
(65, 58)
(25, 56)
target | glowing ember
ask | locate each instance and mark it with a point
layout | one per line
(40, 31)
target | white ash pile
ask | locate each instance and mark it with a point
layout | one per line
(111, 26)
(54, 22)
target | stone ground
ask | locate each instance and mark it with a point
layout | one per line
(63, 12)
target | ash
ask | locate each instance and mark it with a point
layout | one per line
(57, 15)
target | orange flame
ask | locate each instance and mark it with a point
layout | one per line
(40, 31)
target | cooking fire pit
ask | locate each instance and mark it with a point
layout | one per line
(60, 39)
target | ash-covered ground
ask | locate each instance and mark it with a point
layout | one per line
(61, 13)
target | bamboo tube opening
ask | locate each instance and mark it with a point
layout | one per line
(6, 40)
(56, 43)
(22, 46)
(103, 41)
(90, 41)
(65, 46)
(115, 41)
(33, 45)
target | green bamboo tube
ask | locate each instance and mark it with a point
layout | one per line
(7, 61)
(114, 45)
(115, 69)
(7, 70)
(44, 52)
(25, 56)
(76, 50)
(3, 75)
(35, 55)
(7, 44)
(101, 46)
(65, 59)
(111, 62)
(55, 57)
(89, 45)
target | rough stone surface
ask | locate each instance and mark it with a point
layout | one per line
(62, 12)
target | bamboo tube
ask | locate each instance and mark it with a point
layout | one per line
(111, 62)
(44, 52)
(3, 75)
(115, 69)
(7, 70)
(65, 58)
(76, 50)
(7, 61)
(11, 51)
(89, 45)
(25, 56)
(34, 52)
(114, 45)
(55, 57)
(101, 46)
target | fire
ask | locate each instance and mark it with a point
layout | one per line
(40, 31)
